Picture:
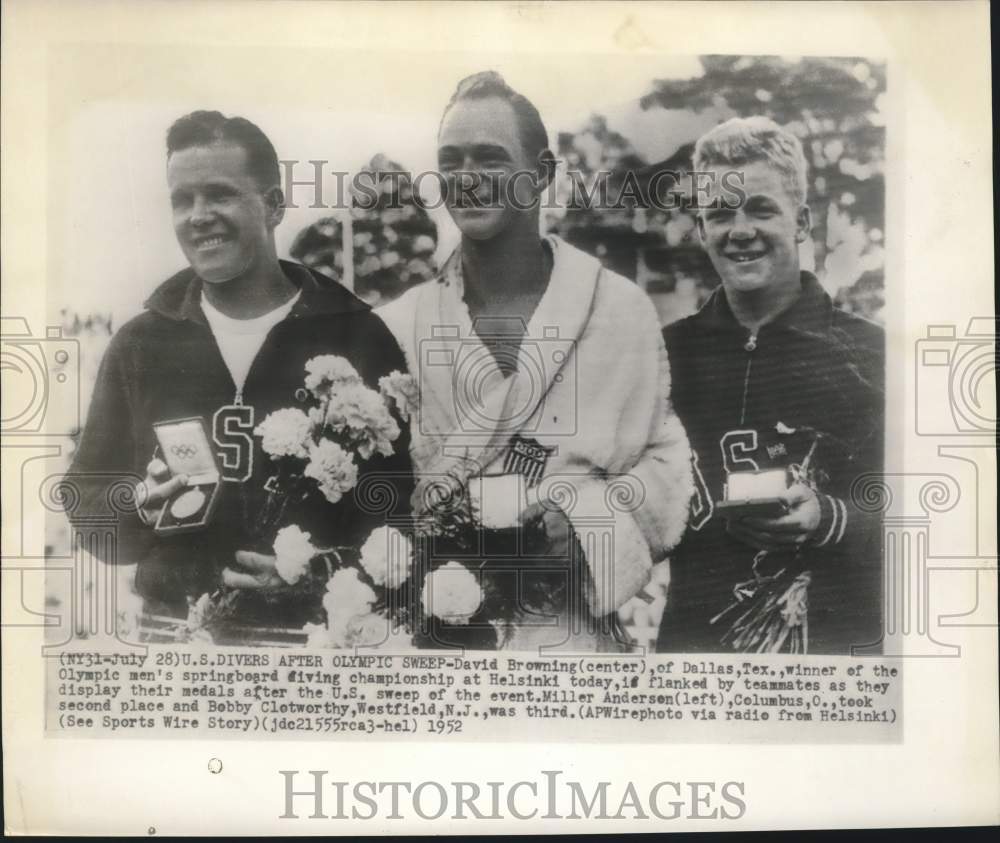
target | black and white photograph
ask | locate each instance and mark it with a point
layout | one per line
(596, 387)
(388, 389)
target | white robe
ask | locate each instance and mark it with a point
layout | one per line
(592, 382)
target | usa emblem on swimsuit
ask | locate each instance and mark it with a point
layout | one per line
(527, 457)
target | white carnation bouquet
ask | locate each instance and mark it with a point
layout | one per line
(367, 595)
(375, 603)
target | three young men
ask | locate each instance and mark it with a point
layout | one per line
(770, 375)
(225, 340)
(532, 360)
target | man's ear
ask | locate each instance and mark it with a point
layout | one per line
(274, 202)
(546, 164)
(803, 224)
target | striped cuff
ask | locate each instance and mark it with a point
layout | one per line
(832, 521)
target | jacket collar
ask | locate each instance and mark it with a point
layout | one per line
(179, 297)
(811, 312)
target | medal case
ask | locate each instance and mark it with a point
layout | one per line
(754, 493)
(498, 500)
(186, 449)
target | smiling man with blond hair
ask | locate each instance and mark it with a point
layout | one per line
(771, 380)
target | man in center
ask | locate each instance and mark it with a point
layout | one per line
(534, 360)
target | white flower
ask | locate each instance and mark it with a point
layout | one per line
(373, 630)
(195, 630)
(293, 551)
(362, 414)
(128, 617)
(390, 259)
(198, 611)
(367, 630)
(286, 433)
(319, 636)
(452, 593)
(403, 389)
(346, 597)
(385, 556)
(327, 373)
(332, 468)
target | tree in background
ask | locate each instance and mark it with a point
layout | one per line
(656, 247)
(393, 237)
(833, 105)
(595, 163)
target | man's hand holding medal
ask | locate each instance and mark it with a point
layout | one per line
(157, 488)
(182, 480)
(790, 530)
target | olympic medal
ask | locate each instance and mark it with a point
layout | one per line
(188, 504)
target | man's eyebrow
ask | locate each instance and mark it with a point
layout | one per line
(212, 184)
(480, 150)
(484, 150)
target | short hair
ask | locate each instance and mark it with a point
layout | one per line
(747, 140)
(489, 83)
(206, 128)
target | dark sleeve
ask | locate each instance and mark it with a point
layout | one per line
(99, 495)
(847, 523)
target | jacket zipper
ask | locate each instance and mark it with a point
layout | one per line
(238, 398)
(749, 346)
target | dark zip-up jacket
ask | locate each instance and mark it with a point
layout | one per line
(165, 364)
(814, 370)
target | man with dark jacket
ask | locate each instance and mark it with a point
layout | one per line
(225, 340)
(770, 375)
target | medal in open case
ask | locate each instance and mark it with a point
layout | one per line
(186, 449)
